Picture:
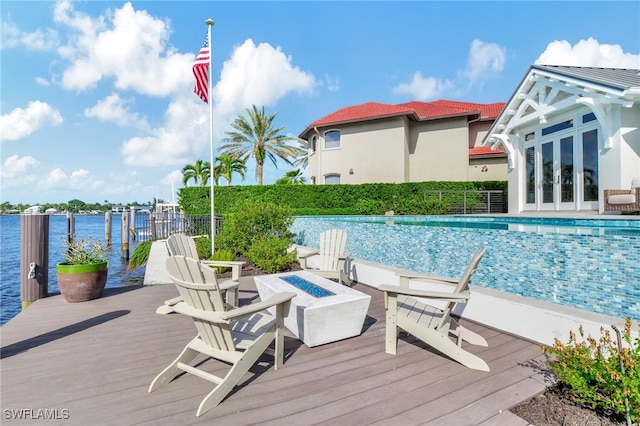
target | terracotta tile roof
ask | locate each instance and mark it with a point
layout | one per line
(416, 111)
(486, 151)
(443, 108)
(366, 111)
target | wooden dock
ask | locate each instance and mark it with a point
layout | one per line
(92, 363)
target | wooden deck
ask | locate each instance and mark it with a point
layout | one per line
(93, 362)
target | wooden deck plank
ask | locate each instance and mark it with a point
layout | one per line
(96, 360)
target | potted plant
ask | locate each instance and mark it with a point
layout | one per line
(83, 273)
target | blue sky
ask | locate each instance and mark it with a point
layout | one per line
(97, 98)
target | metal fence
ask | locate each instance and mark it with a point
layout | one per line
(159, 225)
(470, 201)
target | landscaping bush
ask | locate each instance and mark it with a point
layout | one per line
(270, 254)
(251, 221)
(367, 206)
(590, 371)
(224, 255)
(140, 254)
(203, 247)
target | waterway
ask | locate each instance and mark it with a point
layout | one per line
(85, 225)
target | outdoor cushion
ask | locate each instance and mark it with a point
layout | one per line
(622, 199)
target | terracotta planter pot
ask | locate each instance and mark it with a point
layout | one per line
(79, 283)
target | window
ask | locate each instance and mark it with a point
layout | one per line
(332, 139)
(332, 179)
(590, 164)
(588, 117)
(314, 142)
(557, 127)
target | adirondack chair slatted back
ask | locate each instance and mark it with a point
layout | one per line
(182, 245)
(198, 288)
(463, 283)
(332, 245)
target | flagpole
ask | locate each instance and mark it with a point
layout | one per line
(210, 24)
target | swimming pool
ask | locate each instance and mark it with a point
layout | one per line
(589, 264)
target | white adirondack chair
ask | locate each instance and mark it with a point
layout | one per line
(430, 324)
(331, 256)
(237, 337)
(183, 245)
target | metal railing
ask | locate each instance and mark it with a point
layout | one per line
(159, 225)
(470, 201)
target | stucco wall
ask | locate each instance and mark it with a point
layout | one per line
(487, 169)
(439, 150)
(373, 151)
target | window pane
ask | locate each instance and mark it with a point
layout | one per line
(557, 127)
(547, 172)
(314, 140)
(588, 117)
(531, 175)
(590, 165)
(332, 179)
(566, 169)
(332, 139)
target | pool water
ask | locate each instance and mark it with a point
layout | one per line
(589, 264)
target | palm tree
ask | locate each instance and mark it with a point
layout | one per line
(226, 166)
(199, 172)
(303, 159)
(255, 137)
(292, 177)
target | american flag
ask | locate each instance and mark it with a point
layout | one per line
(201, 72)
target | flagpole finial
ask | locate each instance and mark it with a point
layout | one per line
(209, 22)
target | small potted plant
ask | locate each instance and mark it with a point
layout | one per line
(83, 273)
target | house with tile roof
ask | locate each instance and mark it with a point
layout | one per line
(570, 133)
(410, 142)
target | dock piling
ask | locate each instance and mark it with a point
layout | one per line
(34, 258)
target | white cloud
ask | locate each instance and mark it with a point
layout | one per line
(185, 134)
(484, 60)
(117, 110)
(104, 48)
(77, 180)
(20, 123)
(42, 81)
(18, 167)
(332, 83)
(258, 75)
(587, 53)
(13, 37)
(423, 88)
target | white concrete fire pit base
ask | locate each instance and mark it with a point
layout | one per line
(318, 320)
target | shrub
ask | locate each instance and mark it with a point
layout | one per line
(590, 371)
(140, 254)
(251, 221)
(225, 255)
(367, 206)
(270, 254)
(203, 247)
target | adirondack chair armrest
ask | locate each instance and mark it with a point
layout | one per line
(308, 254)
(235, 265)
(244, 311)
(427, 278)
(211, 316)
(449, 297)
(344, 256)
(228, 285)
(167, 306)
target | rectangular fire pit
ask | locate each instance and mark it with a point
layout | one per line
(323, 311)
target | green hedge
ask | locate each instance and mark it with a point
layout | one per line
(369, 198)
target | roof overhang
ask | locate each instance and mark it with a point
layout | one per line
(545, 91)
